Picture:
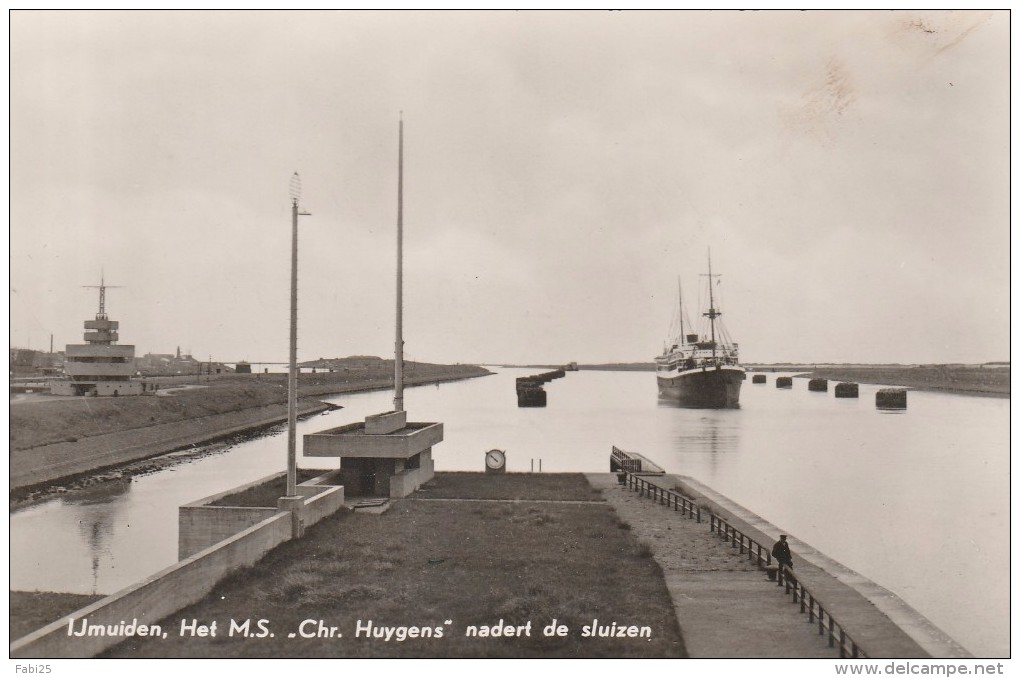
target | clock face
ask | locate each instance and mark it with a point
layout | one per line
(494, 459)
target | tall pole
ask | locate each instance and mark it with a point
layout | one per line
(398, 362)
(292, 374)
(295, 193)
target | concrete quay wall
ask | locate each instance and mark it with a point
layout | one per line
(156, 597)
(881, 623)
(250, 533)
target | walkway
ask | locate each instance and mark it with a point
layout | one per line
(725, 605)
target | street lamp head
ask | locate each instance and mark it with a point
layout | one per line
(295, 188)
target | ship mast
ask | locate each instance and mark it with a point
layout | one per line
(712, 312)
(680, 296)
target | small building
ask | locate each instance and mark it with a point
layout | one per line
(100, 366)
(384, 456)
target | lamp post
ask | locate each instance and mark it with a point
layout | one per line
(295, 195)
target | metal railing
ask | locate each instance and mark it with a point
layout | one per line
(808, 603)
(676, 501)
(761, 556)
(755, 551)
(624, 461)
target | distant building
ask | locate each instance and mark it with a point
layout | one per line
(99, 366)
(23, 357)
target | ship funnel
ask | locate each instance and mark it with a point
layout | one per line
(692, 338)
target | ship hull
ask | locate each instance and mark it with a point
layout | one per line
(714, 387)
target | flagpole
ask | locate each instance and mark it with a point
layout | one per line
(398, 362)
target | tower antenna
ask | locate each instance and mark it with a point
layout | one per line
(102, 287)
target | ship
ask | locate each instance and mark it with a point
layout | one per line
(700, 369)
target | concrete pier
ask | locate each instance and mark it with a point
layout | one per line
(728, 608)
(846, 390)
(820, 385)
(891, 399)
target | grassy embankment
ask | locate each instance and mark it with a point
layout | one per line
(31, 610)
(42, 423)
(435, 557)
(964, 379)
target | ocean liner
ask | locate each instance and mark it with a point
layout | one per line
(699, 370)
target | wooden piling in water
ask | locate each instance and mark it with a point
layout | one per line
(784, 382)
(758, 379)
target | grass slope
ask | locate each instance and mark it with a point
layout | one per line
(427, 561)
(41, 423)
(31, 610)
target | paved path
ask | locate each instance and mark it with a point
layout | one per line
(725, 605)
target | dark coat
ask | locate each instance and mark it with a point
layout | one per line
(781, 552)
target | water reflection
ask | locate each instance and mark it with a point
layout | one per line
(95, 508)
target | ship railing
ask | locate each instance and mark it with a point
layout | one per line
(762, 557)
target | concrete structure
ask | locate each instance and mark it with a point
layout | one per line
(891, 399)
(214, 550)
(100, 366)
(847, 389)
(203, 523)
(383, 456)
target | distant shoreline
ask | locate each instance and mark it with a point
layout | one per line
(988, 380)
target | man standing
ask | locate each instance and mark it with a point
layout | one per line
(781, 552)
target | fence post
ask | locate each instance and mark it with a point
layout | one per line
(832, 639)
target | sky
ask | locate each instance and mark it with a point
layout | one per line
(848, 171)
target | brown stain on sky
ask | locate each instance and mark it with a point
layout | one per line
(821, 106)
(941, 32)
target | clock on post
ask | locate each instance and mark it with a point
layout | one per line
(495, 461)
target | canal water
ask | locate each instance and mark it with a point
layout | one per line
(916, 500)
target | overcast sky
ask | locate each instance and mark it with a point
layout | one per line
(848, 170)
